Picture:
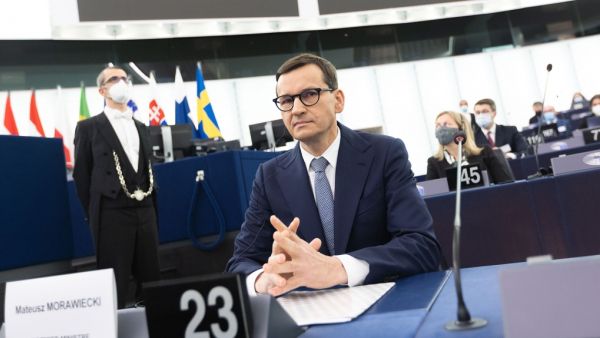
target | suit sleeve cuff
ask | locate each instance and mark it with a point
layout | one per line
(356, 269)
(251, 280)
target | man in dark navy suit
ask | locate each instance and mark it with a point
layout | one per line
(495, 135)
(343, 206)
(113, 176)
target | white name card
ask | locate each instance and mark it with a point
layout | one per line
(79, 305)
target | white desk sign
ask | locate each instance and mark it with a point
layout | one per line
(79, 305)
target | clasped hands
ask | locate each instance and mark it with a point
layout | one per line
(294, 263)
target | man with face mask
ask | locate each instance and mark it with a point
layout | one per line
(495, 135)
(548, 115)
(114, 181)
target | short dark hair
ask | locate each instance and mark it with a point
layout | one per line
(328, 69)
(100, 79)
(489, 102)
(595, 97)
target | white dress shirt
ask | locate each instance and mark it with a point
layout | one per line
(122, 123)
(491, 132)
(356, 269)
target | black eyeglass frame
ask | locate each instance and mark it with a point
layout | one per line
(293, 97)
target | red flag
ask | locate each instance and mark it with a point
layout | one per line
(66, 149)
(34, 116)
(9, 118)
(157, 115)
(62, 127)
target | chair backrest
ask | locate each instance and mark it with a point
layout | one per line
(500, 155)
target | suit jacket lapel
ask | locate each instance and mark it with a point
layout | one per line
(144, 146)
(108, 132)
(353, 164)
(297, 192)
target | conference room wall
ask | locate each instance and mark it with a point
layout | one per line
(402, 98)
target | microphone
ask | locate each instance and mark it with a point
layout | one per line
(460, 137)
(541, 171)
(464, 320)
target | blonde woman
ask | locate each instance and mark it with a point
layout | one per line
(446, 125)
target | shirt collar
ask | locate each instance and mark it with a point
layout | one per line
(492, 130)
(115, 114)
(331, 154)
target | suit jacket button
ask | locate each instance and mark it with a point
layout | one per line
(105, 154)
(108, 172)
(113, 191)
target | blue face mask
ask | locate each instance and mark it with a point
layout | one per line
(445, 135)
(464, 109)
(484, 120)
(549, 116)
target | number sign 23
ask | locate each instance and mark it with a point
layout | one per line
(199, 307)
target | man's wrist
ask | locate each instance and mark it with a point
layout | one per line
(341, 276)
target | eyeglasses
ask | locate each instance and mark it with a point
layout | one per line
(308, 97)
(115, 79)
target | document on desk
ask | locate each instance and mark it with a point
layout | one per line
(333, 305)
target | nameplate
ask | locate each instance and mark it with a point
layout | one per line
(591, 135)
(471, 177)
(576, 162)
(208, 306)
(81, 305)
(555, 299)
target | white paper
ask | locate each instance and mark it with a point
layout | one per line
(74, 305)
(331, 306)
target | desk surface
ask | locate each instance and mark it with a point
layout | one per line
(404, 306)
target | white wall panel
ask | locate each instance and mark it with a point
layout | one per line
(562, 80)
(518, 84)
(476, 80)
(402, 112)
(585, 56)
(254, 100)
(438, 90)
(362, 108)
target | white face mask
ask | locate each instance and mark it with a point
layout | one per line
(120, 92)
(484, 120)
(596, 109)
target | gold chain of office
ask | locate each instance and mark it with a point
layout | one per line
(138, 194)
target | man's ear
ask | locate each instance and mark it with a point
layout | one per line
(339, 100)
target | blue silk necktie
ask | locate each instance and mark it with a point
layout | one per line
(324, 199)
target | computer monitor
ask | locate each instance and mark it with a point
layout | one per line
(181, 142)
(269, 135)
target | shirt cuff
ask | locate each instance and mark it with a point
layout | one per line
(251, 280)
(356, 269)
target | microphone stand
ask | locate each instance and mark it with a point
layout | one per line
(539, 137)
(464, 320)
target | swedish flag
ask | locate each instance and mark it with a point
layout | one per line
(207, 122)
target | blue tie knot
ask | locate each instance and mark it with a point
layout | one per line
(319, 164)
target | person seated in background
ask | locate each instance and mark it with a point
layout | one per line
(506, 138)
(594, 107)
(579, 101)
(548, 115)
(538, 109)
(447, 124)
(464, 109)
(595, 104)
